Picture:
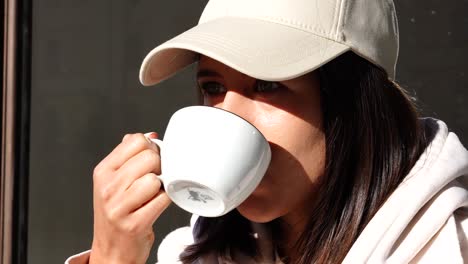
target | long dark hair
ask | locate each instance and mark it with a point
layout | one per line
(373, 139)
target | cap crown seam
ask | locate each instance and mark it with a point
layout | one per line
(340, 22)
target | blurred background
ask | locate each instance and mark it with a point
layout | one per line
(86, 96)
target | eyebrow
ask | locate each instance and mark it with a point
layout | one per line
(207, 73)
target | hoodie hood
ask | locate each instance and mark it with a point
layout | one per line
(426, 217)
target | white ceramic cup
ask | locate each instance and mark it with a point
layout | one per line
(211, 160)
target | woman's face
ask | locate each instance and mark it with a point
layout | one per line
(289, 115)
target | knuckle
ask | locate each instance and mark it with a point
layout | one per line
(138, 140)
(152, 179)
(131, 227)
(112, 214)
(98, 171)
(150, 155)
(106, 193)
(125, 137)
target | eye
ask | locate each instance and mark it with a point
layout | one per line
(266, 86)
(211, 88)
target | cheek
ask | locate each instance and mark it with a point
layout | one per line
(298, 154)
(297, 135)
(273, 124)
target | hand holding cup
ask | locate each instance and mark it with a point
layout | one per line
(127, 200)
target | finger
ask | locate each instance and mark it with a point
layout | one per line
(147, 161)
(152, 135)
(140, 192)
(131, 145)
(150, 212)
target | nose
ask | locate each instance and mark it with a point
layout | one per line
(238, 104)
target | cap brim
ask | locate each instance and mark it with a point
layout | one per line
(261, 49)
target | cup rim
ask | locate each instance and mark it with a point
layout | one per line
(233, 114)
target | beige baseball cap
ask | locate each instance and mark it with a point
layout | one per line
(277, 40)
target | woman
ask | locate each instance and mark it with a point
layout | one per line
(356, 176)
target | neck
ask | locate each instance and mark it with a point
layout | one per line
(292, 227)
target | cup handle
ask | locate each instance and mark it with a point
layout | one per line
(160, 144)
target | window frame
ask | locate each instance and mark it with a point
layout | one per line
(16, 90)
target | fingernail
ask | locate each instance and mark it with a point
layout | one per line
(152, 135)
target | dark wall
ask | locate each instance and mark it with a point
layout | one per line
(86, 96)
(433, 59)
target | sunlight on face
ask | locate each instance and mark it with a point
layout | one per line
(289, 115)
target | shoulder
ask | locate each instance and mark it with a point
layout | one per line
(450, 244)
(425, 218)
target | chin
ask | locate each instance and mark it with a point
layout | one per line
(254, 210)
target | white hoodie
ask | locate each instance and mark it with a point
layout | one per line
(425, 220)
